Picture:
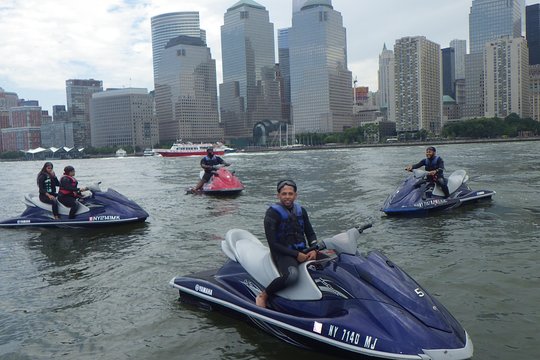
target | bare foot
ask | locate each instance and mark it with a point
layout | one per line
(261, 299)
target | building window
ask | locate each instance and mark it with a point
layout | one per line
(181, 52)
(244, 14)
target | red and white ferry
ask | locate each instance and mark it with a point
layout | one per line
(190, 149)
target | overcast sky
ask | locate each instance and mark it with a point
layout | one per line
(46, 42)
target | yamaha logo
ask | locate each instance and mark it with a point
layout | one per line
(204, 290)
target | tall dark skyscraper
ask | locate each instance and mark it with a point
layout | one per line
(448, 72)
(250, 91)
(533, 33)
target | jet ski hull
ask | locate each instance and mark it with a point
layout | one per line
(410, 198)
(340, 323)
(223, 183)
(99, 210)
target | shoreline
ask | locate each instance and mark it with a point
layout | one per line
(408, 143)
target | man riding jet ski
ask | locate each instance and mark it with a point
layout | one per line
(418, 196)
(350, 304)
(95, 208)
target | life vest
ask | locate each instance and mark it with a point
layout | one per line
(214, 160)
(288, 228)
(73, 182)
(431, 164)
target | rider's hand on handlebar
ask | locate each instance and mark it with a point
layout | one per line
(408, 168)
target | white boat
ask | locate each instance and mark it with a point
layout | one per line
(121, 153)
(149, 152)
(190, 149)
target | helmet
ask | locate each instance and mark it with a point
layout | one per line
(210, 149)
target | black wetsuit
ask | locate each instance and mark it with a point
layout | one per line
(47, 185)
(435, 163)
(282, 245)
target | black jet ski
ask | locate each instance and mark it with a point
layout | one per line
(97, 208)
(417, 196)
(350, 305)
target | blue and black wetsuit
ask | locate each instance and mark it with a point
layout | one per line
(434, 163)
(288, 231)
(210, 161)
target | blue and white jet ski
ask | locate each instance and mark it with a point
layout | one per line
(97, 208)
(351, 305)
(417, 196)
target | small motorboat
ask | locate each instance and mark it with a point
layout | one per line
(350, 305)
(222, 183)
(97, 208)
(417, 196)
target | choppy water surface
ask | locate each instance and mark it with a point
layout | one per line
(104, 294)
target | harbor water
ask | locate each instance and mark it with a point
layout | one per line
(104, 294)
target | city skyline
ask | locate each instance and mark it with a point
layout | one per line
(111, 40)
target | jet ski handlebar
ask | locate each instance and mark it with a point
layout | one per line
(345, 242)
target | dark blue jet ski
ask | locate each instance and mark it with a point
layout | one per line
(96, 209)
(417, 196)
(350, 305)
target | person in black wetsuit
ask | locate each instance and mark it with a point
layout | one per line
(288, 231)
(207, 163)
(434, 165)
(69, 191)
(47, 183)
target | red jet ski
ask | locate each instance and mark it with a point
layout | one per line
(222, 183)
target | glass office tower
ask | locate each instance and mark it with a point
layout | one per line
(186, 92)
(533, 33)
(321, 84)
(168, 26)
(488, 20)
(250, 91)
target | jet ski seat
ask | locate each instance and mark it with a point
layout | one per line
(455, 180)
(33, 200)
(243, 247)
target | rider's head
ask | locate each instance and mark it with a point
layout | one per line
(286, 192)
(430, 151)
(68, 169)
(210, 151)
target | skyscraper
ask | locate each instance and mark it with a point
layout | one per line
(168, 26)
(285, 70)
(321, 84)
(533, 33)
(460, 50)
(449, 72)
(506, 88)
(123, 117)
(186, 92)
(386, 93)
(297, 5)
(488, 20)
(79, 92)
(250, 92)
(418, 85)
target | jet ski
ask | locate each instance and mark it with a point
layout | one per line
(350, 305)
(97, 208)
(222, 183)
(417, 196)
